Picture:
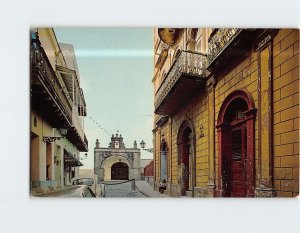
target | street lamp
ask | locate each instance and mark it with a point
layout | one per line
(143, 145)
(62, 131)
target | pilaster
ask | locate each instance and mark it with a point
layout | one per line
(210, 88)
(265, 142)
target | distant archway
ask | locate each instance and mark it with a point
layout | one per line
(109, 162)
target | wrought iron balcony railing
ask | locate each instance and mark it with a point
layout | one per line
(219, 40)
(41, 65)
(191, 64)
(46, 81)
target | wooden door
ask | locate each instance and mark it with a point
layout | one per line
(238, 183)
(119, 171)
(186, 168)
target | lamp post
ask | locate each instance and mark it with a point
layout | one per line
(143, 145)
(62, 131)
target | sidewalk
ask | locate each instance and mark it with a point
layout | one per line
(146, 189)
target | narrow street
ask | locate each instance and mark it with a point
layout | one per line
(120, 188)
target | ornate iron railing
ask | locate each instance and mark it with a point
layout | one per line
(40, 62)
(219, 40)
(53, 84)
(188, 63)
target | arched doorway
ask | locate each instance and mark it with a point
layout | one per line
(236, 146)
(185, 142)
(119, 171)
(163, 161)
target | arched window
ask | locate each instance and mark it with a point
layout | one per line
(235, 130)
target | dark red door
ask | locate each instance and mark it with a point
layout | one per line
(238, 161)
(186, 168)
(119, 171)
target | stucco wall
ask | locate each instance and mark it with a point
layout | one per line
(278, 62)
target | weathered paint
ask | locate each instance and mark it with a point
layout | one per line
(264, 118)
(271, 77)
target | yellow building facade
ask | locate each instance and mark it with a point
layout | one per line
(57, 112)
(226, 112)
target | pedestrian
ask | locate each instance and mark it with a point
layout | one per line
(162, 186)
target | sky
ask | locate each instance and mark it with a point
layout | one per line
(116, 71)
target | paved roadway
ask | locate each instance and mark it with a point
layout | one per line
(113, 189)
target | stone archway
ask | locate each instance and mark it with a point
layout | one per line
(108, 164)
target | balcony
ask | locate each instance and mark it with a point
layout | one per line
(76, 134)
(71, 160)
(71, 85)
(229, 45)
(47, 93)
(184, 79)
(50, 97)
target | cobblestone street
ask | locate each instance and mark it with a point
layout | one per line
(115, 189)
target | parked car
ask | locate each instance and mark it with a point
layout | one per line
(91, 181)
(71, 191)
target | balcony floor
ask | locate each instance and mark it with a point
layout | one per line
(183, 90)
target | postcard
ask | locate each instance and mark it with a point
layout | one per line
(164, 112)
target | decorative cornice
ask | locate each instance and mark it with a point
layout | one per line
(264, 42)
(211, 82)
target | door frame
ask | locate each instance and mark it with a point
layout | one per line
(224, 144)
(187, 123)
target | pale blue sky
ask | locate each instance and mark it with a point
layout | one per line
(116, 69)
